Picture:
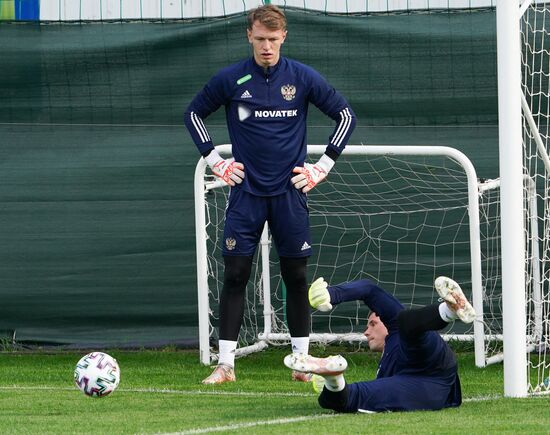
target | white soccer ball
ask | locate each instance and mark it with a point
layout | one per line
(97, 374)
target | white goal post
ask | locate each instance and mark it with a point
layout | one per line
(523, 44)
(459, 252)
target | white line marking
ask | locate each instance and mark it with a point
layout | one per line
(216, 392)
(213, 392)
(166, 391)
(483, 398)
(227, 393)
(224, 393)
(255, 423)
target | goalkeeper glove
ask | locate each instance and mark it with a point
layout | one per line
(228, 170)
(310, 175)
(319, 297)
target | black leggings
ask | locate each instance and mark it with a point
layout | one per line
(236, 276)
(412, 323)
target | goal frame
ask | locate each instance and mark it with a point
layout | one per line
(200, 188)
(508, 16)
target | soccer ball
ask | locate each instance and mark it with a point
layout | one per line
(97, 374)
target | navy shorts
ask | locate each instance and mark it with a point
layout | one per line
(287, 216)
(404, 393)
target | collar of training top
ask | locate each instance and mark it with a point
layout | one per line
(268, 71)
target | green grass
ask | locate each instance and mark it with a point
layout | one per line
(160, 391)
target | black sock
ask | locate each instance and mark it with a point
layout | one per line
(335, 400)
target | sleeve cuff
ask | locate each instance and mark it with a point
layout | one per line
(332, 153)
(326, 163)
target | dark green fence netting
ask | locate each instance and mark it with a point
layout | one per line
(96, 168)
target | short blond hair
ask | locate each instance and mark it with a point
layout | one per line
(269, 15)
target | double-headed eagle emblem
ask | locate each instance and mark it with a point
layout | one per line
(288, 92)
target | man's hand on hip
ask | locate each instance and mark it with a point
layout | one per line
(228, 170)
(310, 175)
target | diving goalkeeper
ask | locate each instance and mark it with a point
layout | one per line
(417, 371)
(266, 99)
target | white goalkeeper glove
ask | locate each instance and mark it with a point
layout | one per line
(319, 297)
(310, 175)
(228, 170)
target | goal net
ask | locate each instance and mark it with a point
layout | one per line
(400, 215)
(535, 84)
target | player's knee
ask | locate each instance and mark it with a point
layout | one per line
(237, 273)
(294, 273)
(235, 278)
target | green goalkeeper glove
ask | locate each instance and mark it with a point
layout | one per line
(319, 297)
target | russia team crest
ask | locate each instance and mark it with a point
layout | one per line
(230, 243)
(288, 92)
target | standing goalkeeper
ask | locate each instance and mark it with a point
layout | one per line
(266, 101)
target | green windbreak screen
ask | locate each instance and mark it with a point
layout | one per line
(96, 168)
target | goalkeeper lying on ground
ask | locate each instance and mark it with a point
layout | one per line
(417, 371)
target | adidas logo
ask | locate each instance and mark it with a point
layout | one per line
(305, 246)
(246, 94)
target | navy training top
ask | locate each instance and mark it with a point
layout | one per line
(266, 112)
